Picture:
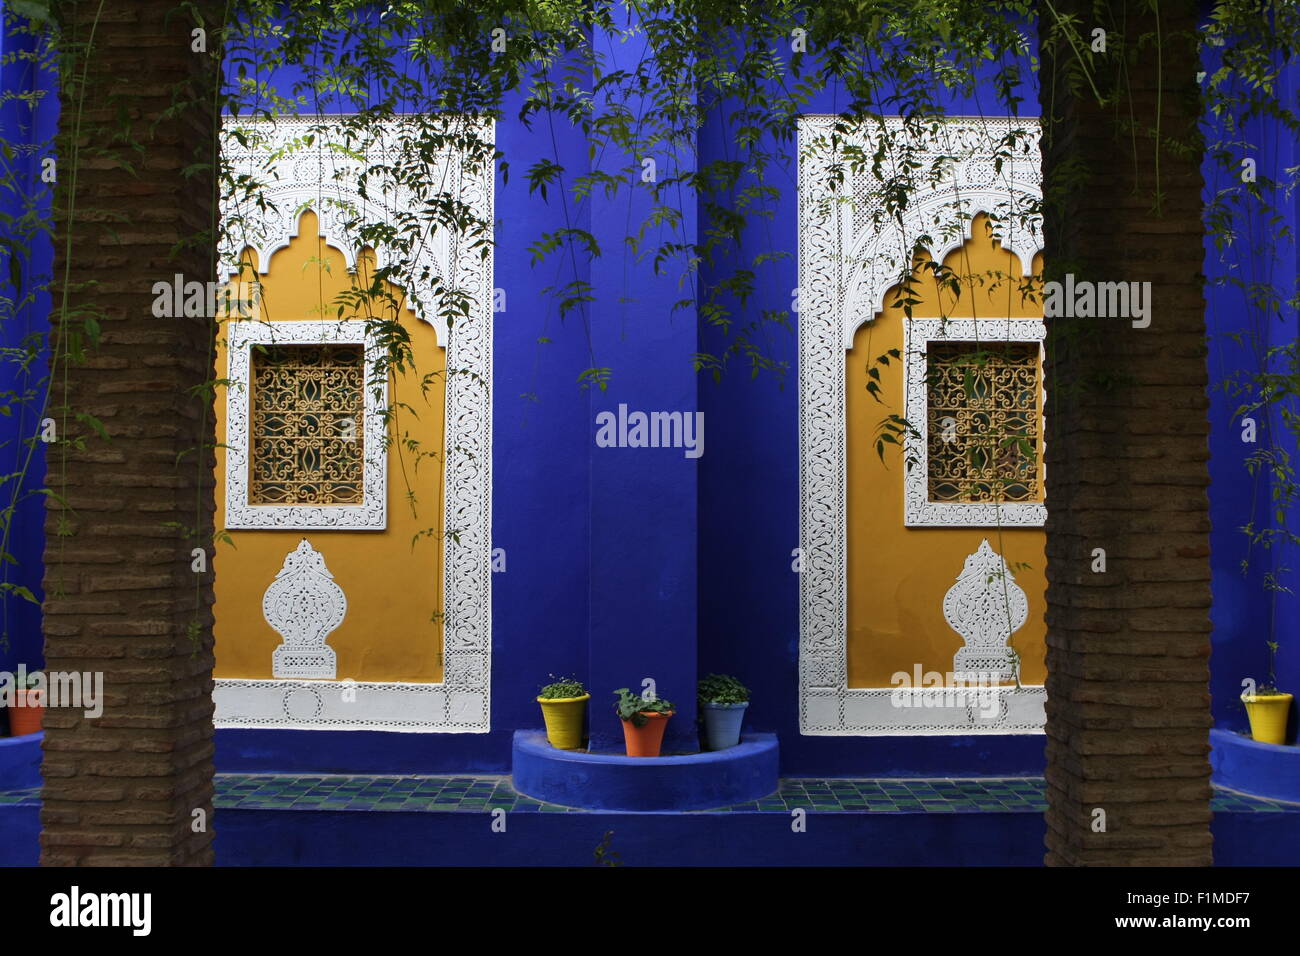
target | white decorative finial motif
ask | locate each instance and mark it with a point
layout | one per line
(985, 607)
(304, 605)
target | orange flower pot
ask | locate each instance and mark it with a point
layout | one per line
(25, 715)
(646, 740)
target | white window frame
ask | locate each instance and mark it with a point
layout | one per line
(918, 510)
(242, 336)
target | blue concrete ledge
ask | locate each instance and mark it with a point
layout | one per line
(704, 839)
(20, 761)
(1248, 766)
(748, 771)
(363, 820)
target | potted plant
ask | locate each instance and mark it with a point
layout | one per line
(29, 706)
(564, 707)
(722, 701)
(643, 722)
(1268, 708)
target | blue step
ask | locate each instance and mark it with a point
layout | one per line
(404, 820)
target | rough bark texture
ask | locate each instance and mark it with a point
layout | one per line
(1128, 709)
(121, 597)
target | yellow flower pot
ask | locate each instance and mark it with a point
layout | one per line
(563, 717)
(1268, 714)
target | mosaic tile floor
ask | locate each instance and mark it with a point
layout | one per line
(486, 793)
(21, 798)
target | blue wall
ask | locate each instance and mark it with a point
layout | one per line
(642, 574)
(1246, 615)
(28, 128)
(618, 557)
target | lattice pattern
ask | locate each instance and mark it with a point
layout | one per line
(250, 340)
(920, 508)
(983, 415)
(308, 424)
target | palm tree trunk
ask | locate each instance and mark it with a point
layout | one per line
(127, 596)
(1128, 709)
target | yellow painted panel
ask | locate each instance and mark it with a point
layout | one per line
(392, 579)
(897, 576)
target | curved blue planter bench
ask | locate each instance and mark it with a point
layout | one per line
(1264, 770)
(20, 761)
(738, 774)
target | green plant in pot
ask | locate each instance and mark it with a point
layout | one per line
(722, 701)
(644, 722)
(1267, 707)
(564, 708)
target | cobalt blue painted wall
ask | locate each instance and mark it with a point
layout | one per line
(643, 500)
(396, 838)
(325, 838)
(29, 129)
(1248, 766)
(20, 762)
(603, 781)
(20, 836)
(1245, 615)
(320, 838)
(542, 438)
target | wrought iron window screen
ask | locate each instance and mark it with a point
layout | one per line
(982, 428)
(308, 420)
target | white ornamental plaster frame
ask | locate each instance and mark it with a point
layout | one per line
(242, 336)
(461, 703)
(845, 270)
(918, 510)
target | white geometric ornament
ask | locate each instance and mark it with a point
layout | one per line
(985, 607)
(304, 605)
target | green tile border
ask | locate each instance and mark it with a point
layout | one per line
(483, 794)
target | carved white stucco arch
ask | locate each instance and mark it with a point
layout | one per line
(317, 174)
(850, 254)
(873, 259)
(294, 177)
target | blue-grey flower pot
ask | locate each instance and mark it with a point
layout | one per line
(722, 725)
